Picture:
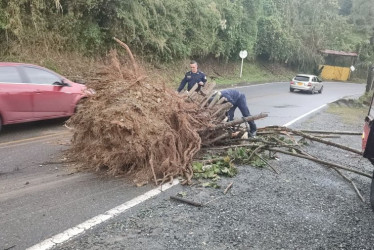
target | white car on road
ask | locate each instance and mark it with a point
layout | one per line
(309, 83)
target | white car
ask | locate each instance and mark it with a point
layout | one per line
(309, 83)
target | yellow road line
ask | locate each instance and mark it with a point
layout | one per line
(32, 139)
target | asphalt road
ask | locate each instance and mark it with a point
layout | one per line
(41, 197)
(283, 106)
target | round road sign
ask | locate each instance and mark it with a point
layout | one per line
(243, 54)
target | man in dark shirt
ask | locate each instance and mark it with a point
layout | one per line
(238, 100)
(193, 77)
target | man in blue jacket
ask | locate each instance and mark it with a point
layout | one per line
(193, 77)
(238, 100)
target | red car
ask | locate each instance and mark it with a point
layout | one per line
(29, 93)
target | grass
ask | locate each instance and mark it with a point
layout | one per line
(351, 110)
(349, 114)
(255, 73)
(227, 74)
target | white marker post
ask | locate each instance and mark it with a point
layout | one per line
(243, 54)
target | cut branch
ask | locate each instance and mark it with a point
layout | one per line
(342, 175)
(228, 188)
(194, 203)
(267, 163)
(353, 184)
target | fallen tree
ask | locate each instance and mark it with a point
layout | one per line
(137, 126)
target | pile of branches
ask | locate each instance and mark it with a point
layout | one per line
(270, 141)
(277, 139)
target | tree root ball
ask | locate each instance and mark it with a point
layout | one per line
(135, 127)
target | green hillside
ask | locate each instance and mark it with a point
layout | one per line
(63, 34)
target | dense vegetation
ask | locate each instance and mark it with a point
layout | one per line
(286, 31)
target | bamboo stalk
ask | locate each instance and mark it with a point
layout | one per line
(313, 138)
(327, 142)
(328, 136)
(344, 177)
(353, 184)
(329, 164)
(233, 146)
(331, 132)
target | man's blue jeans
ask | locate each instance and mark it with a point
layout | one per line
(241, 103)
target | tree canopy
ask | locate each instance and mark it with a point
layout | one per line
(289, 31)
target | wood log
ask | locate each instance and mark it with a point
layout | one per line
(236, 122)
(218, 138)
(223, 107)
(204, 102)
(208, 89)
(214, 101)
(192, 92)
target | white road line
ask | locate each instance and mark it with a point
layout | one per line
(310, 112)
(304, 115)
(81, 228)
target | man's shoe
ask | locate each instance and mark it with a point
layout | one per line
(253, 134)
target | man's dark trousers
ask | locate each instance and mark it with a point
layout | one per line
(241, 103)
